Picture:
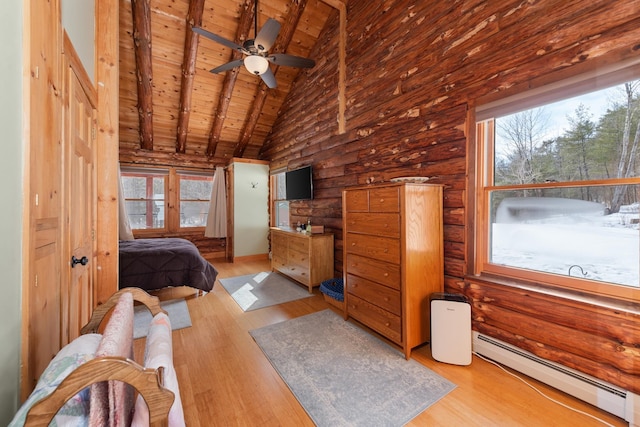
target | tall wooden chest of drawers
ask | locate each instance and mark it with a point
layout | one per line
(305, 258)
(393, 258)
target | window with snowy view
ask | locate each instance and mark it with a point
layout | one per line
(559, 189)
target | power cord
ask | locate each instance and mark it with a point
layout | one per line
(541, 393)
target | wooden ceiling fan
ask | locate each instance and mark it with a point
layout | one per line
(256, 51)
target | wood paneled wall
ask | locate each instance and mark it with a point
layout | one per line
(413, 71)
(209, 247)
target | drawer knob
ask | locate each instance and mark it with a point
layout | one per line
(387, 324)
(386, 274)
(381, 200)
(353, 244)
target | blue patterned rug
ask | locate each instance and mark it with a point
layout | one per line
(344, 376)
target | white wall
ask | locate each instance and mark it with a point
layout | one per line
(11, 213)
(251, 209)
(78, 20)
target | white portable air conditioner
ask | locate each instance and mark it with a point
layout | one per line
(450, 328)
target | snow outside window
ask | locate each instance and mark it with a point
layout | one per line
(144, 194)
(280, 216)
(559, 190)
(166, 200)
(195, 196)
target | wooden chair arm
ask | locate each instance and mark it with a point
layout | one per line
(148, 382)
(152, 303)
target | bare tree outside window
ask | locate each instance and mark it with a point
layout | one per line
(565, 187)
(522, 135)
(628, 157)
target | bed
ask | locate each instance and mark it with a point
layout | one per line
(152, 264)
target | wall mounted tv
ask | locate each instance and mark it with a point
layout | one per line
(299, 184)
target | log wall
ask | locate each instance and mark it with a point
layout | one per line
(414, 69)
(209, 247)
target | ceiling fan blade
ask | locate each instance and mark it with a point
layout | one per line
(219, 39)
(227, 66)
(291, 60)
(269, 79)
(267, 35)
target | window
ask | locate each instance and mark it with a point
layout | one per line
(558, 186)
(166, 200)
(195, 196)
(280, 216)
(144, 193)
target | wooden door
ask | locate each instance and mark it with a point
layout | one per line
(79, 188)
(43, 203)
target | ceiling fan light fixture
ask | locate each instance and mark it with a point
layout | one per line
(256, 64)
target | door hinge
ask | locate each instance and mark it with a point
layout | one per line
(93, 235)
(93, 133)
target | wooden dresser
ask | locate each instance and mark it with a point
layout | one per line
(393, 258)
(305, 258)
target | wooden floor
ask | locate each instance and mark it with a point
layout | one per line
(225, 380)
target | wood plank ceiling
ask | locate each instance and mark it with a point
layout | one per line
(172, 109)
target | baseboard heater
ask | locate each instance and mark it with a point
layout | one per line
(601, 394)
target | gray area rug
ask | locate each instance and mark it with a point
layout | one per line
(344, 376)
(176, 309)
(263, 289)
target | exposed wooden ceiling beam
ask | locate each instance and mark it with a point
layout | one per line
(337, 4)
(284, 38)
(168, 158)
(246, 20)
(341, 5)
(141, 13)
(194, 17)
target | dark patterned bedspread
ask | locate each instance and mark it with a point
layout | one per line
(157, 263)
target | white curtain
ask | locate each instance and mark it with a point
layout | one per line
(124, 228)
(217, 218)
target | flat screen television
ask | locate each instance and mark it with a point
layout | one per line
(299, 184)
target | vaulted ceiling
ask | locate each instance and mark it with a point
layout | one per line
(172, 108)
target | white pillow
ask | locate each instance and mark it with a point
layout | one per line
(159, 352)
